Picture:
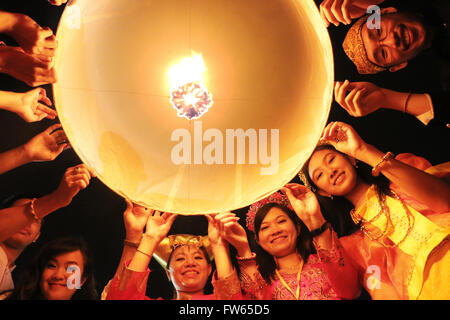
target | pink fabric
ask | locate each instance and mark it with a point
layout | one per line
(327, 275)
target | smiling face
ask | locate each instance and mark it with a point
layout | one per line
(278, 234)
(401, 37)
(189, 269)
(53, 283)
(332, 172)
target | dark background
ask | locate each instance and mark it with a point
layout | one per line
(96, 213)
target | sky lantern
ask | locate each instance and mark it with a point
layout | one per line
(193, 107)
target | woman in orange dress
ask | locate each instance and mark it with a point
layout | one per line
(402, 247)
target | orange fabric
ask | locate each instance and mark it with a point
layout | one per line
(417, 268)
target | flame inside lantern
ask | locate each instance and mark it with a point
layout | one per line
(188, 94)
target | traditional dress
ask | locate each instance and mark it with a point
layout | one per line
(327, 275)
(408, 256)
(131, 285)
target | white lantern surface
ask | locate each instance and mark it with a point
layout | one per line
(193, 106)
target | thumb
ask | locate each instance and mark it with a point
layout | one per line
(129, 204)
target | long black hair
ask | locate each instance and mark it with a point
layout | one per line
(28, 288)
(337, 210)
(265, 261)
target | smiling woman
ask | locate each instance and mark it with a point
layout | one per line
(61, 271)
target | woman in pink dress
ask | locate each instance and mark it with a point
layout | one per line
(186, 258)
(283, 266)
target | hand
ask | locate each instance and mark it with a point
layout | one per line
(344, 139)
(305, 205)
(32, 110)
(158, 225)
(47, 145)
(34, 39)
(343, 11)
(216, 227)
(363, 99)
(74, 179)
(231, 231)
(135, 218)
(24, 67)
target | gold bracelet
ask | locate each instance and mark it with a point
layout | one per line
(33, 212)
(376, 170)
(144, 253)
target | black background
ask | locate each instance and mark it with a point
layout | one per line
(96, 213)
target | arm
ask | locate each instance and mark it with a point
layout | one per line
(219, 245)
(426, 188)
(27, 104)
(251, 282)
(135, 218)
(307, 208)
(31, 37)
(362, 98)
(25, 67)
(14, 219)
(158, 225)
(45, 146)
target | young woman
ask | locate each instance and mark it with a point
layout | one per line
(402, 247)
(62, 270)
(284, 266)
(186, 258)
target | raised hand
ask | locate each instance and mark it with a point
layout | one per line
(232, 232)
(34, 39)
(360, 98)
(135, 219)
(25, 67)
(343, 11)
(31, 109)
(305, 205)
(74, 179)
(158, 225)
(47, 145)
(344, 139)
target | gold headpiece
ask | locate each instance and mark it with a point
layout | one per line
(170, 243)
(354, 48)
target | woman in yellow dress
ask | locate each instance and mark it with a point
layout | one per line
(402, 246)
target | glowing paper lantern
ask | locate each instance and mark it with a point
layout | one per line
(232, 130)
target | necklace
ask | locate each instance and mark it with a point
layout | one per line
(297, 292)
(386, 213)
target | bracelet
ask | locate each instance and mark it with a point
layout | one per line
(144, 253)
(131, 243)
(251, 257)
(406, 102)
(32, 210)
(376, 170)
(319, 231)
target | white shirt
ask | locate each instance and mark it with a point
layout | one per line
(6, 281)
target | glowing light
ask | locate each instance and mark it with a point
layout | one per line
(188, 94)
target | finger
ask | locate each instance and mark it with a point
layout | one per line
(129, 204)
(346, 11)
(324, 17)
(43, 97)
(53, 128)
(349, 100)
(171, 218)
(328, 13)
(340, 96)
(357, 103)
(49, 112)
(336, 9)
